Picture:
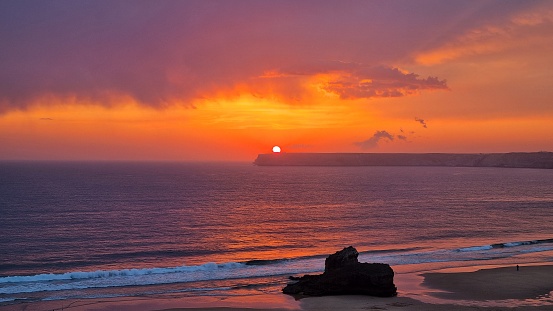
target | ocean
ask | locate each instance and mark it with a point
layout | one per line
(72, 230)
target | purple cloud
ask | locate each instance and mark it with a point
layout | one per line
(355, 80)
(160, 52)
(374, 140)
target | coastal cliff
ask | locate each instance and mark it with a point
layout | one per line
(513, 159)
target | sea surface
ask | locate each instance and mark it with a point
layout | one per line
(102, 230)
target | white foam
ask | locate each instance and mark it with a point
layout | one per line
(513, 244)
(81, 280)
(475, 248)
(7, 299)
(115, 273)
(538, 249)
(134, 277)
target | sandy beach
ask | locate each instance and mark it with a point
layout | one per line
(504, 288)
(528, 282)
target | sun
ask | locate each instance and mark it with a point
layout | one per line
(276, 149)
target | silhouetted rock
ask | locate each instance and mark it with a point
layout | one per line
(345, 275)
(345, 257)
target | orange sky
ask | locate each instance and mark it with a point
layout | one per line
(219, 80)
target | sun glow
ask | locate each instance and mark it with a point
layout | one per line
(276, 149)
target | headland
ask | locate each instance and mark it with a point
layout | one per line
(542, 160)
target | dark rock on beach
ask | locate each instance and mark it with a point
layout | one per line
(345, 275)
(340, 259)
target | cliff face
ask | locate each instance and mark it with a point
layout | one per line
(515, 159)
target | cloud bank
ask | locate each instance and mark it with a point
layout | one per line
(166, 52)
(354, 81)
(160, 53)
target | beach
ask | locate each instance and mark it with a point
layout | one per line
(500, 288)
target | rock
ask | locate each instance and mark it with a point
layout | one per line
(345, 257)
(345, 275)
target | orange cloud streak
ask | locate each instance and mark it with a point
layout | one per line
(527, 30)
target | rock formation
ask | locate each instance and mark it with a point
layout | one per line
(345, 275)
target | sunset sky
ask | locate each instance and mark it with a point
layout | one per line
(225, 80)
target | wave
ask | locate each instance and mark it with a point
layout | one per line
(114, 273)
(475, 248)
(211, 266)
(504, 245)
(513, 244)
(6, 299)
(77, 280)
(262, 262)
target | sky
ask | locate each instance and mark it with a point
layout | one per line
(219, 80)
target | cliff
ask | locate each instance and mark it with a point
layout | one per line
(513, 159)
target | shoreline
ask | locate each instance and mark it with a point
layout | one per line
(498, 288)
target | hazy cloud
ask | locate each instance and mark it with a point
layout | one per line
(520, 23)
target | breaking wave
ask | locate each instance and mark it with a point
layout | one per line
(76, 280)
(504, 245)
(115, 273)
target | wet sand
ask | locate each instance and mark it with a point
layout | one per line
(528, 282)
(498, 289)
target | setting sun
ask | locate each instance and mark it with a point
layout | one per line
(108, 98)
(276, 149)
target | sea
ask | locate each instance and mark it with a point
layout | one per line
(99, 230)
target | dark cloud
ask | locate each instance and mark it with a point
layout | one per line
(421, 121)
(374, 140)
(382, 82)
(155, 52)
(84, 50)
(161, 52)
(378, 136)
(355, 80)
